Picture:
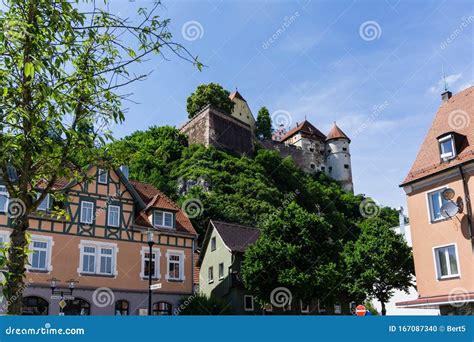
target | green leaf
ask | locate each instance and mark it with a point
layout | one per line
(29, 70)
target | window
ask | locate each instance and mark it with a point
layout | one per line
(311, 149)
(323, 168)
(436, 200)
(313, 166)
(346, 166)
(39, 255)
(4, 238)
(248, 303)
(45, 204)
(210, 275)
(162, 309)
(113, 217)
(213, 244)
(121, 308)
(337, 309)
(446, 261)
(102, 178)
(221, 270)
(344, 149)
(155, 263)
(446, 147)
(321, 308)
(330, 169)
(163, 219)
(175, 265)
(77, 307)
(98, 258)
(3, 199)
(35, 306)
(87, 212)
(304, 307)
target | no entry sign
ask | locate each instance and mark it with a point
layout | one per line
(361, 310)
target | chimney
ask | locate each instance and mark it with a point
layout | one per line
(125, 170)
(446, 95)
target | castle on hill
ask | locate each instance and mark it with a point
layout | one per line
(310, 149)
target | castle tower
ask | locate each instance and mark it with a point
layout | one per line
(242, 110)
(338, 158)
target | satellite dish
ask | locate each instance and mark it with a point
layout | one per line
(448, 194)
(449, 209)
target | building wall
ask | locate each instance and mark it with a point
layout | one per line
(427, 235)
(67, 234)
(243, 113)
(213, 258)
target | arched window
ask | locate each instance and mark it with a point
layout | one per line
(161, 309)
(36, 306)
(121, 308)
(77, 307)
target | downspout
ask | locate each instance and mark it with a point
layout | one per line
(467, 199)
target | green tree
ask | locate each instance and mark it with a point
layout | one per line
(62, 65)
(199, 304)
(206, 94)
(378, 262)
(264, 124)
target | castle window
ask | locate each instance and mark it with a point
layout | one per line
(311, 149)
(323, 168)
(330, 169)
(344, 149)
(313, 166)
(346, 166)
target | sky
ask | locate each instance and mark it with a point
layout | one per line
(377, 68)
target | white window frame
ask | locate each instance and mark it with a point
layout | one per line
(4, 192)
(219, 271)
(47, 199)
(92, 213)
(337, 309)
(448, 264)
(97, 245)
(163, 220)
(306, 307)
(49, 246)
(245, 303)
(448, 155)
(210, 274)
(213, 244)
(119, 213)
(102, 173)
(157, 253)
(182, 258)
(431, 217)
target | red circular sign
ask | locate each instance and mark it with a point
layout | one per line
(361, 310)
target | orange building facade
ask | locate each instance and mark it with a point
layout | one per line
(102, 245)
(439, 190)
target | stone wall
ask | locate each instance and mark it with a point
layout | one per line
(213, 127)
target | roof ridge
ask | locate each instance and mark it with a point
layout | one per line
(236, 224)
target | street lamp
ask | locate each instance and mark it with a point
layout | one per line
(62, 292)
(151, 242)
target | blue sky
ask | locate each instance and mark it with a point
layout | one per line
(375, 67)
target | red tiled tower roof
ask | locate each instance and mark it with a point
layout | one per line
(336, 133)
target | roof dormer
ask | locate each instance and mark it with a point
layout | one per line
(450, 145)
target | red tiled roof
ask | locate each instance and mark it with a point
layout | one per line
(235, 236)
(436, 300)
(336, 133)
(236, 94)
(154, 198)
(306, 128)
(454, 115)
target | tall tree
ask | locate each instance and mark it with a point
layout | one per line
(264, 124)
(205, 94)
(62, 65)
(378, 262)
